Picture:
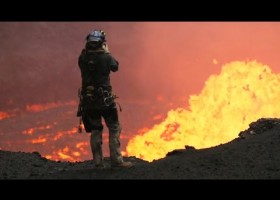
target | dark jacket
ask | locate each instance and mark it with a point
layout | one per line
(95, 66)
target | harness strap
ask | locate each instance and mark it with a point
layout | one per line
(119, 106)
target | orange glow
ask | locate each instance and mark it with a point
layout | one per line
(65, 156)
(47, 106)
(72, 131)
(30, 131)
(67, 132)
(156, 117)
(48, 157)
(4, 115)
(81, 144)
(242, 93)
(66, 149)
(159, 98)
(58, 135)
(124, 153)
(47, 142)
(76, 153)
(40, 107)
(215, 62)
(68, 154)
(44, 127)
(40, 139)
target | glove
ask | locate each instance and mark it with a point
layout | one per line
(106, 48)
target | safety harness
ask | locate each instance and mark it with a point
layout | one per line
(92, 94)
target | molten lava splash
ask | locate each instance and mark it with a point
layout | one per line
(242, 93)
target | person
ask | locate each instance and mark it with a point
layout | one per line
(96, 63)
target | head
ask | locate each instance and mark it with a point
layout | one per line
(95, 39)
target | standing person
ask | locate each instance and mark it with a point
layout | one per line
(97, 99)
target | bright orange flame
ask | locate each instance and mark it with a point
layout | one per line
(242, 93)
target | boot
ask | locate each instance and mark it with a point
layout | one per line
(123, 164)
(115, 154)
(96, 148)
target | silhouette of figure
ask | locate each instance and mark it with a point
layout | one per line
(97, 99)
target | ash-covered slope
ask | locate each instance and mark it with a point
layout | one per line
(253, 155)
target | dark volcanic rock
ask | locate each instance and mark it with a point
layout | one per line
(174, 152)
(259, 126)
(253, 155)
(190, 148)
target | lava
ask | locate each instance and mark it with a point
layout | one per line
(30, 131)
(47, 106)
(9, 114)
(40, 139)
(243, 92)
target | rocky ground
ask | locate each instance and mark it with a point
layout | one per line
(253, 155)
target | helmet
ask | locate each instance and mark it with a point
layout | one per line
(96, 36)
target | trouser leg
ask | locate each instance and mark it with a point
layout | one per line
(115, 153)
(96, 147)
(114, 145)
(111, 119)
(113, 124)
